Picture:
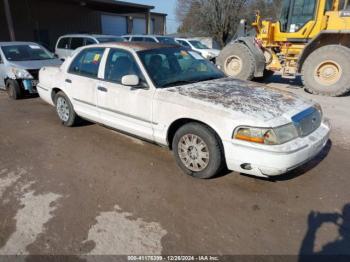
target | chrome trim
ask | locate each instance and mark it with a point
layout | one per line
(43, 88)
(84, 102)
(127, 115)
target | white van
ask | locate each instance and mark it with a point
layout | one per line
(68, 43)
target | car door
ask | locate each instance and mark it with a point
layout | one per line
(62, 47)
(75, 43)
(82, 81)
(124, 107)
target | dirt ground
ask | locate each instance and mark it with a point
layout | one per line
(91, 190)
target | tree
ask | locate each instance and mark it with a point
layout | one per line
(220, 18)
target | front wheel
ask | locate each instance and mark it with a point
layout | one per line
(326, 71)
(65, 110)
(14, 90)
(198, 151)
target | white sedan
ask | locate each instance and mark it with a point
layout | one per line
(173, 97)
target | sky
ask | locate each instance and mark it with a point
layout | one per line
(162, 6)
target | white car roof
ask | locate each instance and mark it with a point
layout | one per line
(88, 35)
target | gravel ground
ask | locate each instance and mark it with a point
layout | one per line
(90, 190)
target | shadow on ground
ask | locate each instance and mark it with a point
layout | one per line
(336, 250)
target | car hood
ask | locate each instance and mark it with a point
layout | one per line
(35, 64)
(250, 99)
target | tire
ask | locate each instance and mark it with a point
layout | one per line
(207, 144)
(326, 71)
(65, 110)
(236, 60)
(14, 90)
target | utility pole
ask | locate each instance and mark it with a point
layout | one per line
(9, 20)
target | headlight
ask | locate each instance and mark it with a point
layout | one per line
(319, 109)
(267, 136)
(21, 73)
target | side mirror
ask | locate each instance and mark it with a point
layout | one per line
(130, 80)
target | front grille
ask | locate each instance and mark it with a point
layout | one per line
(34, 73)
(307, 121)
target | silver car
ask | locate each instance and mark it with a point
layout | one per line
(20, 63)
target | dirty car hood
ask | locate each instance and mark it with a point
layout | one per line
(251, 99)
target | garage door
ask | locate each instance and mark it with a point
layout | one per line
(113, 25)
(139, 26)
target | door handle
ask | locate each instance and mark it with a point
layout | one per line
(102, 89)
(68, 81)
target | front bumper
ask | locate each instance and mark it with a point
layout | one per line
(266, 161)
(30, 85)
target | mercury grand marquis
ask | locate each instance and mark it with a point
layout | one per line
(172, 96)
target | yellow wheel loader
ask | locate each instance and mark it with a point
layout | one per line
(311, 38)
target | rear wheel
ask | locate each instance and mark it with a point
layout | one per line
(326, 71)
(14, 90)
(236, 60)
(65, 110)
(198, 151)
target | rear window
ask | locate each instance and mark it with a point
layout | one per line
(76, 42)
(149, 39)
(89, 41)
(167, 40)
(137, 39)
(63, 43)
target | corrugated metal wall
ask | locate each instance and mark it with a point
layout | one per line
(4, 34)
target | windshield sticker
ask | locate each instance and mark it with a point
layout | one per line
(34, 46)
(96, 58)
(196, 55)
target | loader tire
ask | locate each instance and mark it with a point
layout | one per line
(236, 60)
(326, 71)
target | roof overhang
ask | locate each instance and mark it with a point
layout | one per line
(112, 6)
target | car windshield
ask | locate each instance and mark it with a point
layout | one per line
(110, 39)
(167, 40)
(177, 66)
(26, 53)
(197, 44)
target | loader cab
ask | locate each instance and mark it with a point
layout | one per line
(296, 13)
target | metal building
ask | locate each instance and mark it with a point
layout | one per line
(45, 20)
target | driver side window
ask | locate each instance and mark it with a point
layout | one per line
(121, 63)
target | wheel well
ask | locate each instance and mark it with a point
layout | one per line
(54, 92)
(181, 122)
(323, 39)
